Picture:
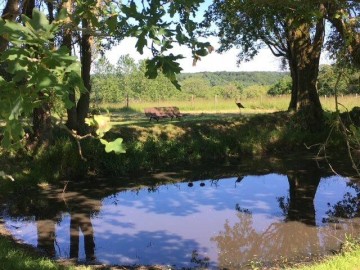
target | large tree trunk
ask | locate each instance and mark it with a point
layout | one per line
(304, 58)
(84, 100)
(42, 131)
(67, 42)
(294, 89)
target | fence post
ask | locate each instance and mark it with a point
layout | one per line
(215, 102)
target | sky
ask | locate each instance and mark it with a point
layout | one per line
(226, 61)
(265, 61)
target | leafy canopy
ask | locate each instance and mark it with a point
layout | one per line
(38, 70)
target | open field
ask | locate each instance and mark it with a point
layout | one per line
(217, 108)
(253, 105)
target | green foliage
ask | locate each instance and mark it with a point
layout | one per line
(282, 87)
(40, 73)
(150, 23)
(348, 84)
(102, 125)
(112, 84)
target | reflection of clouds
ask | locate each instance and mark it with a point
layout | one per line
(165, 225)
(159, 247)
(256, 205)
(264, 195)
(181, 200)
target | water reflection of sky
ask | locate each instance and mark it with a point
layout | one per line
(165, 225)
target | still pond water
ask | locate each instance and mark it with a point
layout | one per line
(221, 223)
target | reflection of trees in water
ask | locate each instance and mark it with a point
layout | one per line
(296, 236)
(343, 217)
(82, 221)
(47, 208)
(238, 243)
(241, 243)
(347, 208)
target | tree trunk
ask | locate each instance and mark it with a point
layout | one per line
(84, 100)
(304, 58)
(309, 106)
(42, 131)
(67, 42)
(302, 190)
(294, 89)
(10, 12)
(42, 124)
(28, 7)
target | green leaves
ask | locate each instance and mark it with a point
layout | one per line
(167, 64)
(114, 146)
(39, 24)
(102, 125)
(39, 73)
(153, 28)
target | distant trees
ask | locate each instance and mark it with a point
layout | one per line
(282, 87)
(348, 83)
(114, 83)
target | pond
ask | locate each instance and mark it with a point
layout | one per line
(284, 213)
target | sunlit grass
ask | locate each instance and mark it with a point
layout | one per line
(349, 261)
(15, 257)
(252, 105)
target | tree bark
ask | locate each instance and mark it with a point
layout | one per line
(42, 130)
(304, 57)
(28, 7)
(67, 42)
(83, 104)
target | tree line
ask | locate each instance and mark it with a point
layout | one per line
(127, 79)
(114, 83)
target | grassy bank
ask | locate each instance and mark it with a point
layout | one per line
(193, 140)
(18, 257)
(196, 139)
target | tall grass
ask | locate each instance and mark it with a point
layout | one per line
(252, 105)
